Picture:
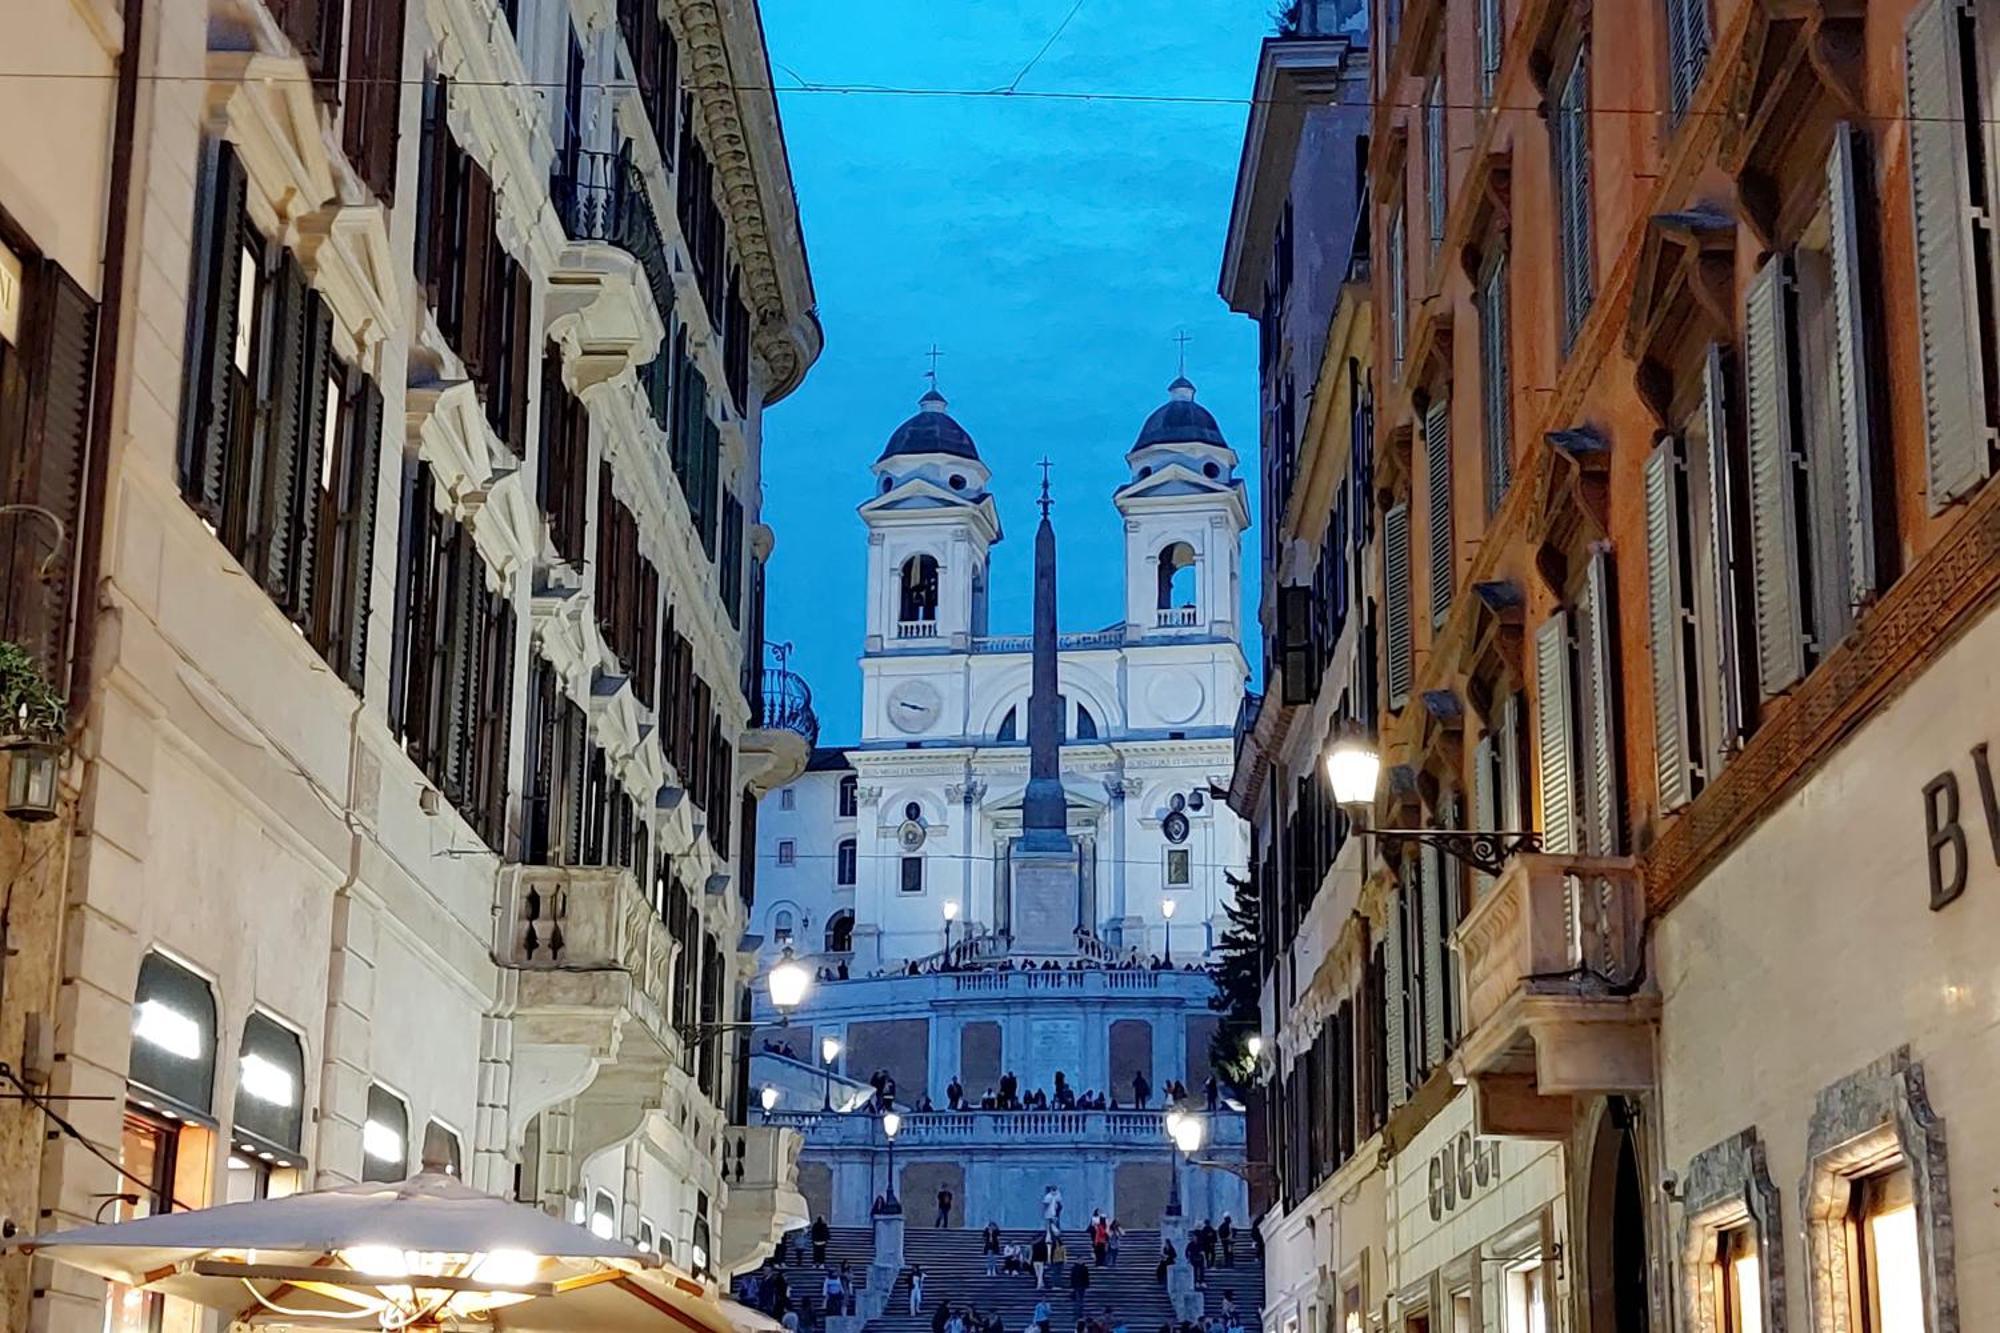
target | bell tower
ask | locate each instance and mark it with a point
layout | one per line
(1185, 513)
(931, 525)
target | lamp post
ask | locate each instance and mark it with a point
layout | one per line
(788, 982)
(891, 1122)
(829, 1047)
(1185, 1129)
(950, 915)
(1167, 906)
(1354, 770)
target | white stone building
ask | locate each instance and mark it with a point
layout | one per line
(424, 700)
(884, 849)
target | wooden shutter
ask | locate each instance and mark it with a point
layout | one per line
(1398, 292)
(1507, 791)
(1668, 623)
(1774, 475)
(1396, 576)
(1434, 160)
(1436, 926)
(475, 262)
(1573, 191)
(321, 421)
(1958, 432)
(45, 466)
(1496, 390)
(1437, 466)
(1396, 974)
(369, 129)
(1850, 369)
(205, 414)
(1687, 52)
(1295, 644)
(1485, 797)
(1555, 744)
(273, 530)
(1722, 670)
(434, 195)
(1597, 664)
(348, 650)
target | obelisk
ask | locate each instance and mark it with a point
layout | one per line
(1046, 877)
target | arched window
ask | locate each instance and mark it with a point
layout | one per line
(781, 926)
(840, 932)
(845, 863)
(603, 1215)
(849, 796)
(441, 1149)
(1086, 725)
(385, 1136)
(173, 1036)
(920, 589)
(1176, 575)
(1010, 727)
(270, 1081)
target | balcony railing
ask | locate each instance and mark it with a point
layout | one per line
(760, 1165)
(1557, 999)
(589, 943)
(984, 1129)
(602, 197)
(1025, 643)
(916, 629)
(787, 705)
(1176, 617)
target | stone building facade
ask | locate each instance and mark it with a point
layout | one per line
(1688, 570)
(423, 712)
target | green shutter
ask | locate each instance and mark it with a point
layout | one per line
(1774, 478)
(1555, 758)
(1668, 622)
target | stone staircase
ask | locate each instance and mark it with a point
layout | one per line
(955, 1270)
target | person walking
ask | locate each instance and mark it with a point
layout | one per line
(944, 1207)
(1100, 1239)
(990, 1246)
(1038, 1259)
(1079, 1287)
(1167, 1257)
(821, 1233)
(830, 1294)
(1114, 1236)
(916, 1290)
(1226, 1233)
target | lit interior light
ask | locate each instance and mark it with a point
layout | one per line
(1899, 1289)
(161, 1025)
(602, 1226)
(381, 1142)
(1748, 1275)
(267, 1081)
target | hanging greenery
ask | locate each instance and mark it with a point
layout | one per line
(1238, 982)
(29, 706)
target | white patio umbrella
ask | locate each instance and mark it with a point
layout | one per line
(427, 1253)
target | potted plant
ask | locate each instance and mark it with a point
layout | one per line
(31, 734)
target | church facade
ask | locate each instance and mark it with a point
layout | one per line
(1020, 868)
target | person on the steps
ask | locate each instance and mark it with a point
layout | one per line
(940, 1316)
(1079, 1287)
(1115, 1236)
(1038, 1257)
(916, 1290)
(847, 1285)
(944, 1207)
(989, 1245)
(1041, 1319)
(1226, 1233)
(830, 1294)
(821, 1233)
(1167, 1257)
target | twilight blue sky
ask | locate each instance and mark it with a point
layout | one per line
(1052, 249)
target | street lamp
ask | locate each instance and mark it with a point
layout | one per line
(1354, 771)
(891, 1122)
(1167, 906)
(768, 1099)
(1185, 1129)
(788, 981)
(829, 1047)
(1254, 1044)
(950, 915)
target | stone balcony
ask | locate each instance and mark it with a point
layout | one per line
(611, 288)
(760, 1167)
(1558, 1004)
(775, 750)
(593, 963)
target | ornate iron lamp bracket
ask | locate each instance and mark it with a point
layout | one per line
(1482, 850)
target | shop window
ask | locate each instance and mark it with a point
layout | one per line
(1527, 1303)
(173, 1040)
(1739, 1282)
(1886, 1264)
(442, 1151)
(270, 1078)
(385, 1136)
(167, 1162)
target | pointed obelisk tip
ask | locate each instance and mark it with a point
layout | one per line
(1045, 502)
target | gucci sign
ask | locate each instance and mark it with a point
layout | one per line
(1461, 1167)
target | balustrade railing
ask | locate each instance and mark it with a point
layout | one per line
(602, 197)
(1176, 617)
(916, 629)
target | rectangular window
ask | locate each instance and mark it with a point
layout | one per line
(1398, 295)
(372, 100)
(1492, 42)
(1179, 871)
(1739, 1283)
(788, 852)
(1570, 138)
(1435, 161)
(1437, 513)
(788, 799)
(1688, 38)
(850, 791)
(913, 874)
(1399, 667)
(281, 442)
(1887, 1258)
(1527, 1309)
(385, 1136)
(1495, 384)
(844, 864)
